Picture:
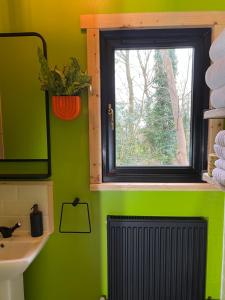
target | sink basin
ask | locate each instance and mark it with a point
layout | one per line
(15, 251)
(16, 254)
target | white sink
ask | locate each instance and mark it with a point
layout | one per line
(16, 254)
(14, 251)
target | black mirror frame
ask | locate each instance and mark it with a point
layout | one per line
(48, 160)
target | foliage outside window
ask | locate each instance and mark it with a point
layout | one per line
(153, 106)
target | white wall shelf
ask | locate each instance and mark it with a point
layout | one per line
(217, 113)
(209, 179)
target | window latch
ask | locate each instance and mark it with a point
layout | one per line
(110, 113)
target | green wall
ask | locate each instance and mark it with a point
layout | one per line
(73, 267)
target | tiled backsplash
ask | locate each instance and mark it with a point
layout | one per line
(17, 198)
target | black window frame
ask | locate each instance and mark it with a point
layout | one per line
(200, 40)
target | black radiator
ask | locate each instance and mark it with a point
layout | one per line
(153, 258)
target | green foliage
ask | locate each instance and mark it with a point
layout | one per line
(146, 133)
(160, 131)
(69, 81)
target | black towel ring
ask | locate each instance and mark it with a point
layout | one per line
(75, 203)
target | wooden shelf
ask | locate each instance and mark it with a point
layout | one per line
(209, 179)
(217, 113)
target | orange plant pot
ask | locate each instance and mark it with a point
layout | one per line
(66, 107)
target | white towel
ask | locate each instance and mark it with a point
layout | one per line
(220, 164)
(215, 75)
(220, 151)
(217, 97)
(219, 176)
(220, 138)
(217, 49)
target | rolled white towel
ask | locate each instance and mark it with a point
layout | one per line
(220, 138)
(220, 164)
(215, 75)
(217, 48)
(217, 97)
(219, 176)
(220, 151)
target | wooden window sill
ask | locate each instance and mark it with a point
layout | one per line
(131, 186)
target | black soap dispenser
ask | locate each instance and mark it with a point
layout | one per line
(36, 221)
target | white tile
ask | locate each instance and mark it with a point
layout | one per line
(16, 201)
(46, 223)
(20, 208)
(31, 194)
(8, 192)
(17, 208)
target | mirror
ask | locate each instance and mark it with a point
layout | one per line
(24, 115)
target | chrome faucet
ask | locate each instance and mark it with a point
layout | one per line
(8, 231)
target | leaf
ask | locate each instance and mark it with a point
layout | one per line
(69, 81)
(72, 71)
(56, 83)
(44, 72)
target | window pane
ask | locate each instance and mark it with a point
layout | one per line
(153, 98)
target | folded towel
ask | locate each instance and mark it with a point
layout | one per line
(217, 97)
(217, 49)
(220, 138)
(219, 176)
(220, 164)
(215, 75)
(220, 151)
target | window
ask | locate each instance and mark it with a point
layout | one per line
(153, 96)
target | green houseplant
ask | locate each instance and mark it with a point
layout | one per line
(64, 85)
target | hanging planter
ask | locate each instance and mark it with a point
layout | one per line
(66, 107)
(63, 84)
